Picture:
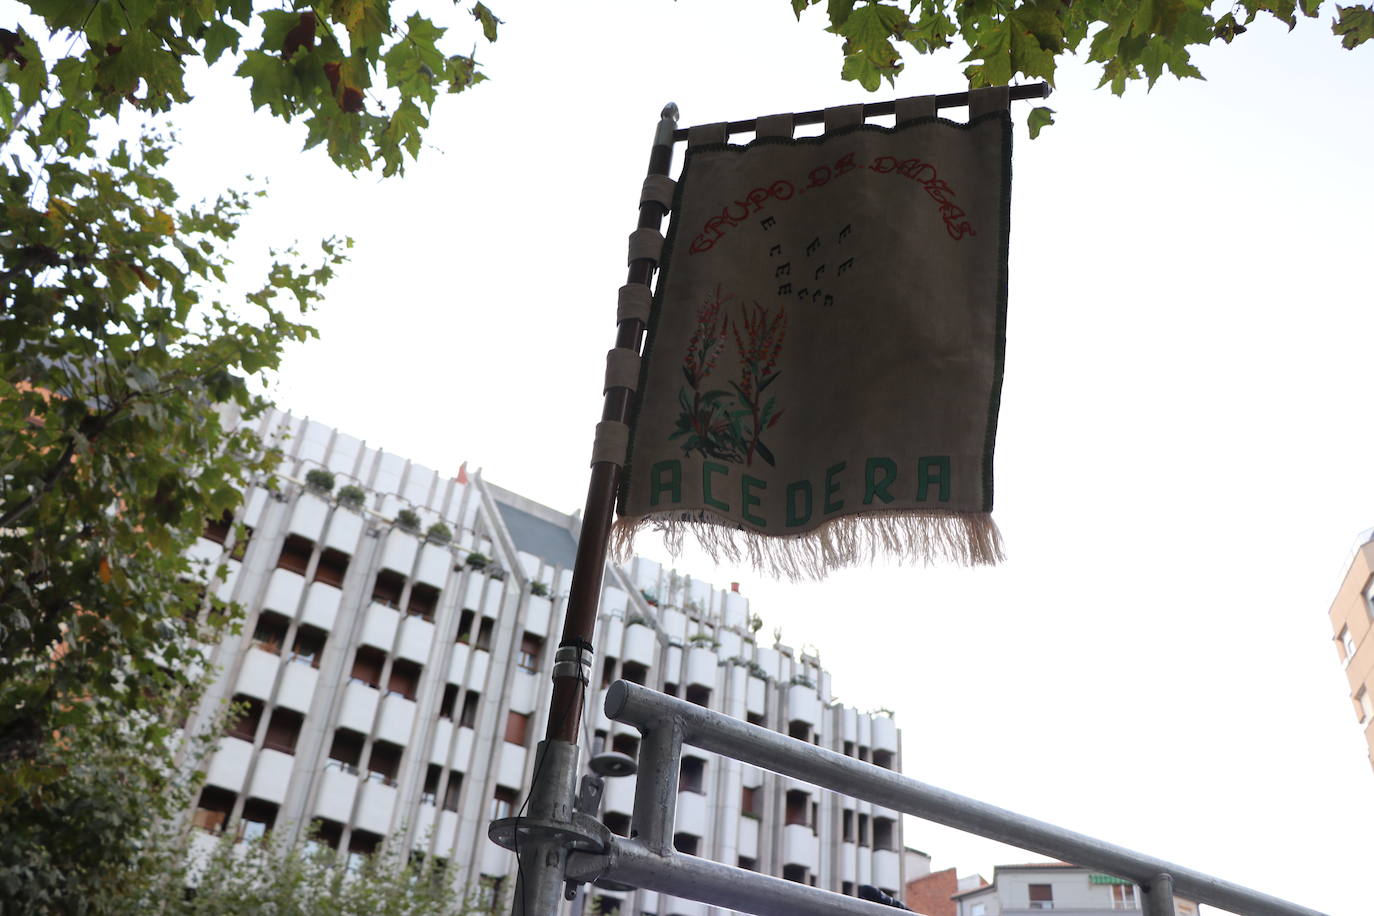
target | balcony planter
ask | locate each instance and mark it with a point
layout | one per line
(352, 496)
(319, 480)
(477, 560)
(539, 590)
(438, 533)
(408, 520)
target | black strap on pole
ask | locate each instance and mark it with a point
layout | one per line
(584, 596)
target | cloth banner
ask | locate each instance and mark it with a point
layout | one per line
(823, 366)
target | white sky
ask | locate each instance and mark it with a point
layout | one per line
(1184, 451)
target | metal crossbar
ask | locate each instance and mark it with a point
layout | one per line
(649, 861)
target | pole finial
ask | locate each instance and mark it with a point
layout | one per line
(669, 112)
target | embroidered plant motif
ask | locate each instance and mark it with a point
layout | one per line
(758, 359)
(716, 422)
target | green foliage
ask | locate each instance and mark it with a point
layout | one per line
(439, 533)
(408, 520)
(802, 680)
(352, 496)
(703, 639)
(539, 590)
(478, 560)
(1130, 39)
(269, 876)
(320, 479)
(363, 84)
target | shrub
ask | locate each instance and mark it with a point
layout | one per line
(634, 619)
(408, 520)
(352, 496)
(802, 680)
(439, 533)
(478, 560)
(539, 590)
(703, 639)
(319, 479)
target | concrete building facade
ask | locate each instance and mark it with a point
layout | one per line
(1023, 890)
(394, 666)
(1351, 616)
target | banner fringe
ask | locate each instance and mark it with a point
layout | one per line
(964, 538)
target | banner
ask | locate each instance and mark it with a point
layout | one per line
(821, 376)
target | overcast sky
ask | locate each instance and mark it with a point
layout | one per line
(1185, 445)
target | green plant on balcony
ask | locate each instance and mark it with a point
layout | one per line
(802, 680)
(636, 620)
(755, 623)
(757, 670)
(704, 640)
(539, 590)
(478, 560)
(439, 533)
(319, 480)
(352, 496)
(408, 520)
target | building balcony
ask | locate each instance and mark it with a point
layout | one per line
(800, 846)
(756, 696)
(258, 674)
(525, 690)
(884, 734)
(701, 667)
(321, 605)
(229, 766)
(539, 615)
(477, 670)
(307, 516)
(379, 626)
(735, 610)
(887, 872)
(640, 645)
(284, 590)
(511, 768)
(417, 637)
(396, 720)
(298, 681)
(376, 802)
(399, 552)
(749, 836)
(443, 737)
(272, 775)
(462, 753)
(359, 707)
(620, 796)
(458, 663)
(803, 704)
(435, 564)
(345, 530)
(692, 815)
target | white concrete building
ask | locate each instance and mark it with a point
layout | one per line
(397, 682)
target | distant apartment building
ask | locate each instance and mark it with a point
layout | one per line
(932, 893)
(1351, 615)
(395, 667)
(1025, 890)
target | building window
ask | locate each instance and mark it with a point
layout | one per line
(404, 679)
(699, 695)
(502, 803)
(213, 809)
(423, 600)
(798, 807)
(245, 724)
(383, 763)
(863, 753)
(849, 748)
(626, 744)
(1365, 705)
(1123, 897)
(795, 873)
(361, 845)
(468, 719)
(686, 842)
(453, 791)
(978, 909)
(748, 864)
(1368, 596)
(282, 730)
(217, 530)
(295, 554)
(756, 718)
(489, 892)
(799, 730)
(847, 888)
(1041, 897)
(634, 672)
(484, 634)
(863, 830)
(607, 672)
(882, 759)
(692, 775)
(605, 906)
(332, 567)
(270, 632)
(367, 666)
(670, 689)
(258, 818)
(431, 789)
(346, 749)
(449, 701)
(325, 833)
(1347, 644)
(308, 645)
(517, 728)
(847, 819)
(531, 648)
(750, 804)
(885, 834)
(465, 620)
(386, 588)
